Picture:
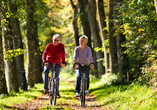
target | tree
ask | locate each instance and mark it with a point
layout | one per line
(102, 25)
(11, 71)
(38, 60)
(82, 8)
(30, 39)
(112, 40)
(3, 86)
(95, 32)
(74, 22)
(155, 2)
(18, 45)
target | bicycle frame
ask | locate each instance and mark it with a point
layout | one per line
(53, 83)
(83, 86)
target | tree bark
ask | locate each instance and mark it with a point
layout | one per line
(3, 86)
(95, 32)
(122, 58)
(155, 2)
(82, 9)
(30, 41)
(74, 22)
(38, 60)
(11, 71)
(18, 44)
(112, 40)
(102, 25)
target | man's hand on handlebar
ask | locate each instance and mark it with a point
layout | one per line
(62, 65)
(46, 64)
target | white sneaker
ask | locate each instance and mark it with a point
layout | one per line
(86, 92)
(77, 94)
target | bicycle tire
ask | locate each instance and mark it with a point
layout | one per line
(82, 95)
(50, 93)
(55, 92)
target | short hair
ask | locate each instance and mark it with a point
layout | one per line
(56, 36)
(84, 37)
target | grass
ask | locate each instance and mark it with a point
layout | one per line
(21, 97)
(123, 97)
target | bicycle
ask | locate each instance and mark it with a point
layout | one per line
(53, 82)
(83, 86)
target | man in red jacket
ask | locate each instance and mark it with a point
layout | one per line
(54, 52)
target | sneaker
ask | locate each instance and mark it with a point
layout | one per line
(77, 94)
(58, 96)
(86, 92)
(45, 91)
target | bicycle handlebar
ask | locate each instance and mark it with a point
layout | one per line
(82, 65)
(54, 63)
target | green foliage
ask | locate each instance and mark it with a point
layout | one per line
(13, 53)
(109, 79)
(139, 21)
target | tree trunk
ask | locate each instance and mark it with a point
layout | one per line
(18, 44)
(95, 33)
(11, 71)
(30, 40)
(82, 9)
(38, 60)
(3, 86)
(155, 2)
(122, 58)
(74, 22)
(102, 25)
(112, 40)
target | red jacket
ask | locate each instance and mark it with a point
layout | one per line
(54, 53)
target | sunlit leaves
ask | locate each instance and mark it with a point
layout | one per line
(13, 53)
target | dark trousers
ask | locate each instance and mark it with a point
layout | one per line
(78, 80)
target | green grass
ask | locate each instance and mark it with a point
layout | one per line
(123, 97)
(21, 97)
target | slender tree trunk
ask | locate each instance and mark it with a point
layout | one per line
(82, 8)
(74, 22)
(155, 2)
(95, 33)
(11, 71)
(30, 40)
(112, 40)
(38, 60)
(102, 25)
(3, 86)
(18, 44)
(122, 58)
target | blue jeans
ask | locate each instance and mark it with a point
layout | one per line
(78, 80)
(46, 73)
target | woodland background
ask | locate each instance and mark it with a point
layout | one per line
(122, 35)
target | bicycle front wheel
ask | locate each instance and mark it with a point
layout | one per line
(55, 92)
(51, 93)
(82, 94)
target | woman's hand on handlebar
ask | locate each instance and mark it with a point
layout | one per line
(92, 67)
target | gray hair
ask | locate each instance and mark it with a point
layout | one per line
(56, 36)
(84, 37)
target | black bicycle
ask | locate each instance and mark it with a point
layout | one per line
(53, 82)
(83, 86)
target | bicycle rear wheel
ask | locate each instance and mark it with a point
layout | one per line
(82, 94)
(51, 92)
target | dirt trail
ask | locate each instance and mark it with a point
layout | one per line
(35, 104)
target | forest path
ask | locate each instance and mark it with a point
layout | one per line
(42, 101)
